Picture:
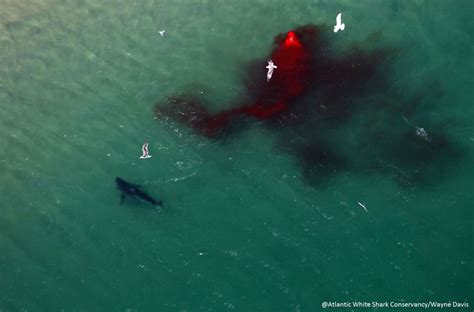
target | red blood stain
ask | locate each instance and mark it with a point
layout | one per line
(312, 88)
(303, 63)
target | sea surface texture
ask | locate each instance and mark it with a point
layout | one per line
(375, 204)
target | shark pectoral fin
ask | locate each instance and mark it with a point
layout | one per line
(122, 198)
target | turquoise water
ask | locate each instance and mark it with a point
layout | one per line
(242, 229)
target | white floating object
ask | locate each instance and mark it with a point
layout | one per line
(363, 207)
(339, 24)
(162, 32)
(421, 133)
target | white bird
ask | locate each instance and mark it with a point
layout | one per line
(145, 153)
(270, 68)
(339, 25)
(162, 33)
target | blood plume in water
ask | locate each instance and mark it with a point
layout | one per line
(312, 89)
(290, 80)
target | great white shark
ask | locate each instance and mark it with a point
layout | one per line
(128, 189)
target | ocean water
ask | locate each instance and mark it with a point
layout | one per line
(242, 228)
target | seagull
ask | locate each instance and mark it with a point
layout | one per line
(145, 153)
(270, 68)
(162, 32)
(339, 25)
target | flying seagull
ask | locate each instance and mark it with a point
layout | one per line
(162, 32)
(339, 25)
(270, 68)
(145, 153)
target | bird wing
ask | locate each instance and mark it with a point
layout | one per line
(338, 18)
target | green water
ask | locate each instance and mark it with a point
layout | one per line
(242, 229)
